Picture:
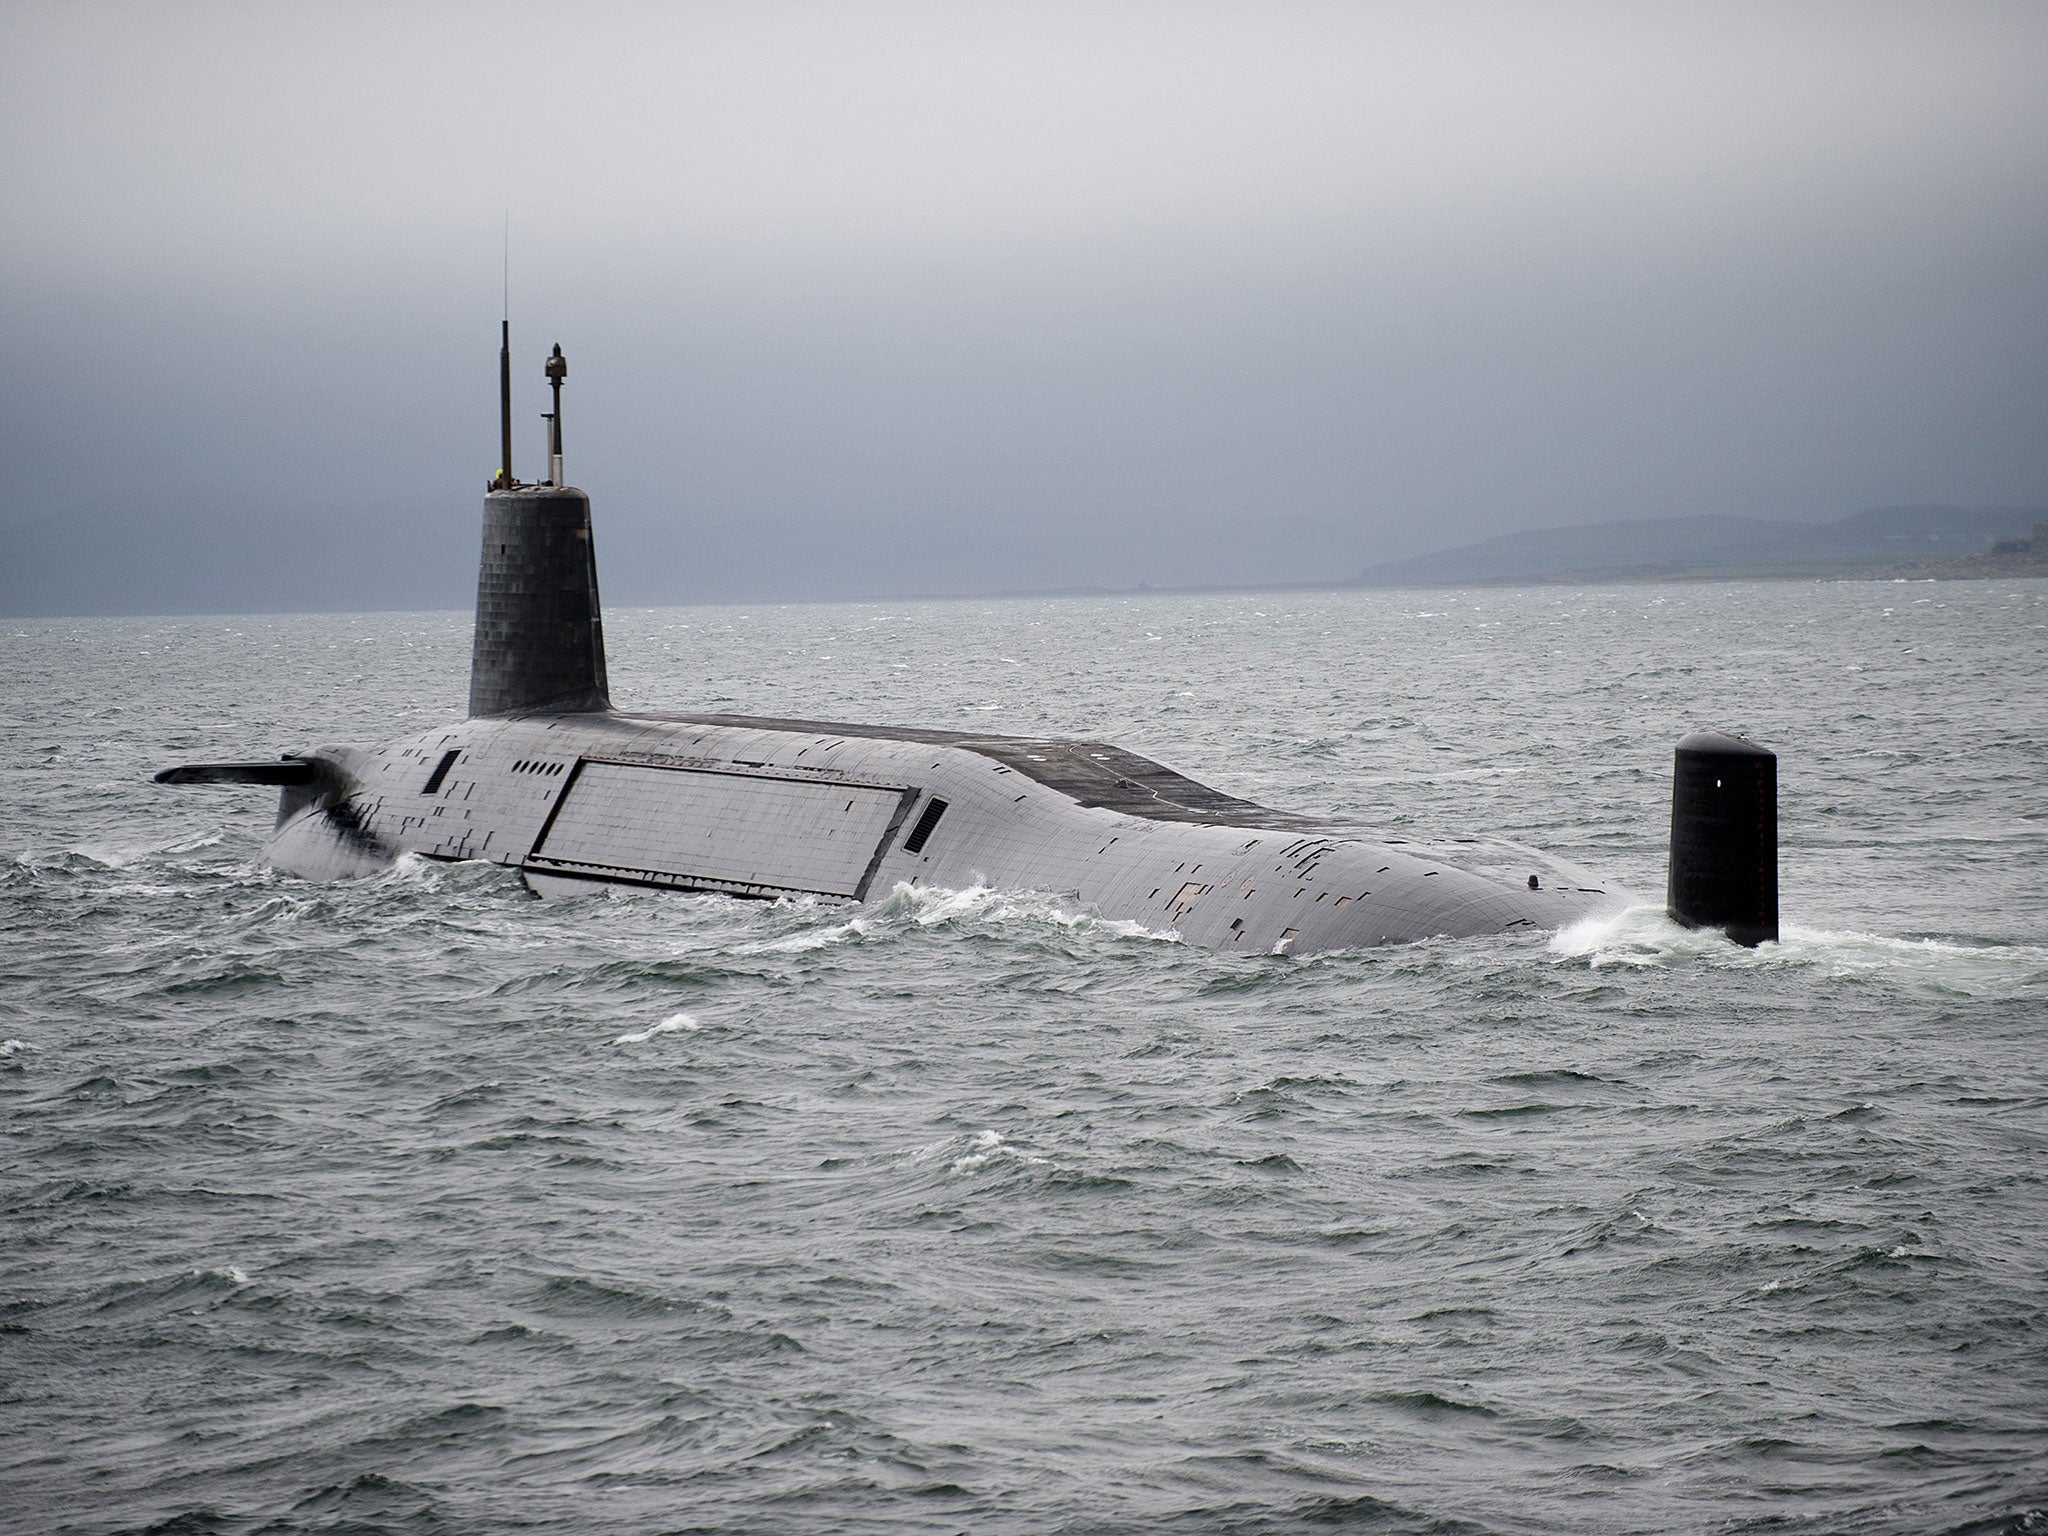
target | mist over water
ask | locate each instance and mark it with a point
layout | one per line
(417, 1205)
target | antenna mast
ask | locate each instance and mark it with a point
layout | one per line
(505, 482)
(558, 370)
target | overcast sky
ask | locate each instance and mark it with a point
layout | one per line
(886, 298)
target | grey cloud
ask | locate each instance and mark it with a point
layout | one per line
(902, 298)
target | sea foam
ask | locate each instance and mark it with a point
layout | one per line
(675, 1023)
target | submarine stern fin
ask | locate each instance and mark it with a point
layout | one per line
(1724, 837)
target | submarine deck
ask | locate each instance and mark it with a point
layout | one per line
(1092, 773)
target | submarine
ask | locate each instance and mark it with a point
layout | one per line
(548, 778)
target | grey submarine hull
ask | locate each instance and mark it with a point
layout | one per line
(545, 777)
(847, 813)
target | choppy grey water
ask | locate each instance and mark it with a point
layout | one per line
(417, 1205)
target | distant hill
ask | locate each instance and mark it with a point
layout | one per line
(1886, 540)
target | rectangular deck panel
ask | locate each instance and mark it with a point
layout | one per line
(719, 830)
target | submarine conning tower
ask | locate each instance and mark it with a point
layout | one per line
(539, 631)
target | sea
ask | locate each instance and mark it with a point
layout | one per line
(416, 1204)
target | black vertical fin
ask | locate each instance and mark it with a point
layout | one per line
(1724, 837)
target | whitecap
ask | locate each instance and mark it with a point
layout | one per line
(674, 1023)
(988, 1146)
(801, 943)
(194, 843)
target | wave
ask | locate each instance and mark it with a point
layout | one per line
(1645, 936)
(908, 910)
(675, 1023)
(990, 1146)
